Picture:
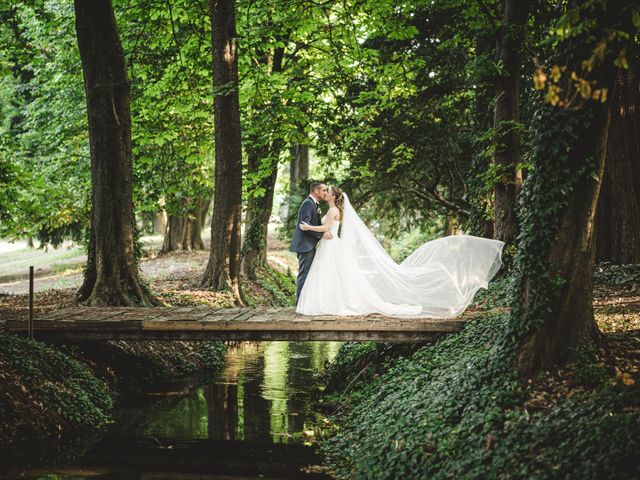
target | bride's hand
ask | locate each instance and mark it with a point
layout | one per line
(304, 226)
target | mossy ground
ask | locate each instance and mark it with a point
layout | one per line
(457, 410)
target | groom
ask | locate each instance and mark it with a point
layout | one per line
(304, 242)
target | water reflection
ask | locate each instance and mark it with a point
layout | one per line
(262, 395)
(253, 418)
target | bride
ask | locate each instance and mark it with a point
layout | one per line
(352, 274)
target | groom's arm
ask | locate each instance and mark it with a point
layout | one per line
(306, 214)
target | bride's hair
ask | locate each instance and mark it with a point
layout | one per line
(339, 200)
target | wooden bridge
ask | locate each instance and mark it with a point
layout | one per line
(207, 323)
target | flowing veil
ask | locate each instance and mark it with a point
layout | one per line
(442, 276)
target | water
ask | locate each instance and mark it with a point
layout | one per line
(255, 419)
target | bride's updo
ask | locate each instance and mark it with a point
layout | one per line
(339, 199)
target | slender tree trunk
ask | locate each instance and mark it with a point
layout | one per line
(507, 114)
(185, 232)
(160, 222)
(618, 235)
(197, 225)
(254, 249)
(111, 276)
(174, 234)
(482, 199)
(298, 180)
(223, 268)
(298, 170)
(552, 313)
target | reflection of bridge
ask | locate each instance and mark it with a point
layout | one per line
(200, 323)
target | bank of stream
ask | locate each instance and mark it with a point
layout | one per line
(256, 418)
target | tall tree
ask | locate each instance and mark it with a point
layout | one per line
(552, 312)
(111, 275)
(223, 268)
(507, 115)
(618, 235)
(254, 249)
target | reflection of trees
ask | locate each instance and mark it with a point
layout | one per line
(222, 410)
(275, 388)
(255, 407)
(184, 418)
(262, 395)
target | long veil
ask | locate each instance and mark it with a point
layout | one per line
(442, 276)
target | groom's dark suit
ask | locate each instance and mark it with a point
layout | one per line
(304, 242)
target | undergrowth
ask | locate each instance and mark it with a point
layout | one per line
(44, 391)
(454, 410)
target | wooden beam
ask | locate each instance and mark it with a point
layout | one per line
(201, 323)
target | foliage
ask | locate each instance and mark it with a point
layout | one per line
(49, 392)
(138, 366)
(453, 410)
(281, 287)
(211, 354)
(498, 295)
(361, 362)
(618, 275)
(44, 130)
(409, 423)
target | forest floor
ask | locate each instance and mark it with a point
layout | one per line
(174, 277)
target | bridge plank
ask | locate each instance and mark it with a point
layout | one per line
(202, 322)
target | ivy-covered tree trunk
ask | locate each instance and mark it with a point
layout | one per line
(223, 269)
(254, 249)
(111, 276)
(618, 235)
(552, 313)
(185, 232)
(507, 115)
(481, 195)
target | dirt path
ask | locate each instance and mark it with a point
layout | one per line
(60, 269)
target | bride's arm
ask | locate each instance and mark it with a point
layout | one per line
(321, 228)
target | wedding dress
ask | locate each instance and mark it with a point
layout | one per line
(352, 274)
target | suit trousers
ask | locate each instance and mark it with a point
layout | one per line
(304, 264)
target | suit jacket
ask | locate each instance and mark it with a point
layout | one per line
(305, 241)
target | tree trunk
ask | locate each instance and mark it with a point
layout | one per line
(618, 234)
(481, 200)
(507, 114)
(160, 222)
(552, 313)
(185, 232)
(111, 276)
(223, 268)
(298, 181)
(197, 225)
(254, 250)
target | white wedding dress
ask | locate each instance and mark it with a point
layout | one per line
(352, 274)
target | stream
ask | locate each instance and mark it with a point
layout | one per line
(254, 419)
